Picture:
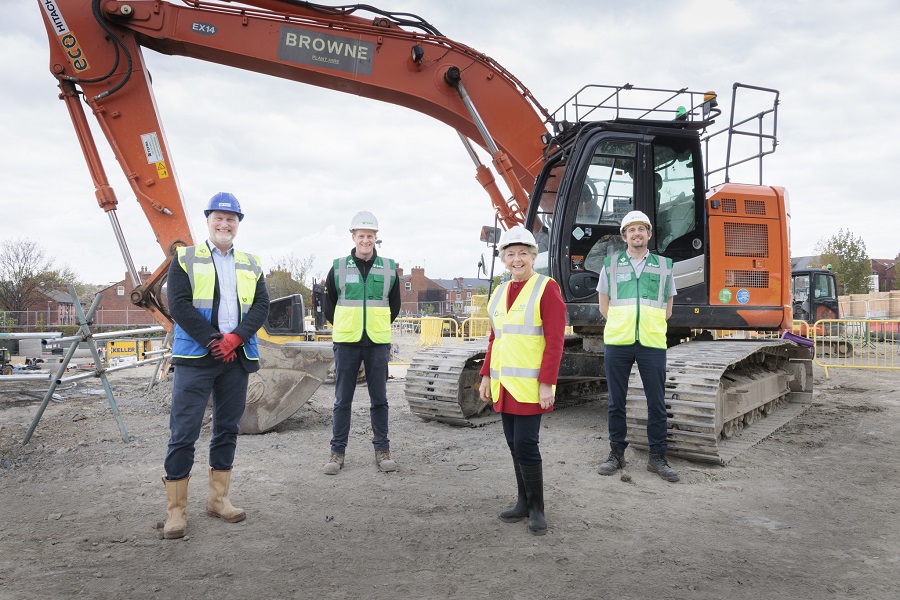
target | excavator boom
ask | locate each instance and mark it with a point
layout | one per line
(96, 55)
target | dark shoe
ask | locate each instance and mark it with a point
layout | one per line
(520, 510)
(615, 460)
(533, 478)
(657, 464)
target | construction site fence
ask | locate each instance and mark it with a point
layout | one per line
(24, 321)
(833, 343)
(411, 334)
(841, 343)
(856, 344)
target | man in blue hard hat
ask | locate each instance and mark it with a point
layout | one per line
(218, 299)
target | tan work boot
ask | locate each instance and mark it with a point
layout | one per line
(384, 462)
(334, 465)
(219, 505)
(176, 518)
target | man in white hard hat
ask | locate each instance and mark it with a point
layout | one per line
(636, 290)
(362, 299)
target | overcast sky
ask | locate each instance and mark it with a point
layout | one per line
(836, 64)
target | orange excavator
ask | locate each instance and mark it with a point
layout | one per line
(571, 176)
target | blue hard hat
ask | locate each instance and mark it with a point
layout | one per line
(224, 201)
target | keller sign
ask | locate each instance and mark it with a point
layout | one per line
(316, 49)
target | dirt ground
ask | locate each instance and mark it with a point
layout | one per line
(810, 512)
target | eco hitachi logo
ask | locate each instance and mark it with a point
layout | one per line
(66, 37)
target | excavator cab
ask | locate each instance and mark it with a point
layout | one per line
(814, 296)
(724, 240)
(609, 170)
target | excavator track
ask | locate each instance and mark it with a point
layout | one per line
(721, 396)
(442, 384)
(289, 375)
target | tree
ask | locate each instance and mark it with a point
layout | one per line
(25, 272)
(289, 276)
(849, 259)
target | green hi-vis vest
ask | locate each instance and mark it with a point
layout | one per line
(363, 305)
(637, 305)
(519, 343)
(197, 262)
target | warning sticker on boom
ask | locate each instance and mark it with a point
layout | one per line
(152, 149)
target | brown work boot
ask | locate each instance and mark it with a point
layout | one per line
(176, 517)
(219, 505)
(384, 461)
(334, 465)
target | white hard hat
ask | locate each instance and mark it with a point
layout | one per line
(633, 217)
(517, 235)
(363, 220)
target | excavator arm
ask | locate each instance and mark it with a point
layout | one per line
(96, 56)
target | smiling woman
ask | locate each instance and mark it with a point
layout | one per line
(520, 369)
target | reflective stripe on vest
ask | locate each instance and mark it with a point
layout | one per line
(363, 304)
(637, 305)
(519, 342)
(197, 262)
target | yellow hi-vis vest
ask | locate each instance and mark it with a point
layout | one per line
(197, 262)
(519, 343)
(363, 304)
(637, 305)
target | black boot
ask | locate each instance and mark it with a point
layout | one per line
(615, 460)
(533, 477)
(658, 464)
(520, 510)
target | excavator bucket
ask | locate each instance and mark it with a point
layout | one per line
(290, 373)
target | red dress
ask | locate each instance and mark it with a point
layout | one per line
(553, 314)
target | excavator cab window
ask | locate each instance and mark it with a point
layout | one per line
(676, 208)
(824, 288)
(801, 297)
(607, 195)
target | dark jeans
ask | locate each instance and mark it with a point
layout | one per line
(347, 360)
(652, 367)
(227, 383)
(523, 437)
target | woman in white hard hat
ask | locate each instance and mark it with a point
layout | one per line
(528, 322)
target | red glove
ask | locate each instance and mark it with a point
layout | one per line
(228, 357)
(225, 346)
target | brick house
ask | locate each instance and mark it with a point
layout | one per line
(116, 309)
(886, 270)
(416, 291)
(458, 293)
(53, 309)
(445, 296)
